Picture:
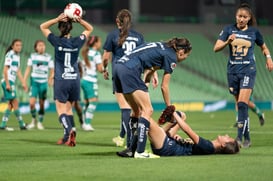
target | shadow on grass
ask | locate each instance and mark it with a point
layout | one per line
(110, 153)
(40, 141)
(96, 144)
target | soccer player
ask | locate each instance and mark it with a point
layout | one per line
(41, 65)
(120, 41)
(241, 38)
(127, 77)
(10, 72)
(89, 82)
(166, 142)
(66, 71)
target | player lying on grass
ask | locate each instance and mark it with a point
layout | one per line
(166, 142)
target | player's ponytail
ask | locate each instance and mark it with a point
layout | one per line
(90, 42)
(65, 27)
(124, 22)
(180, 43)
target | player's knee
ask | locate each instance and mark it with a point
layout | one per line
(242, 106)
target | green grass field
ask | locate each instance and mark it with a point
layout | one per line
(33, 155)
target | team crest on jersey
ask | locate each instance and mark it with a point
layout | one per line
(173, 65)
(60, 48)
(82, 37)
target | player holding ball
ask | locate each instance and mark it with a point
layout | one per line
(66, 73)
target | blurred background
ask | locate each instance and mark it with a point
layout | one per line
(197, 82)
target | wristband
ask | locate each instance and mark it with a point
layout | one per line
(268, 56)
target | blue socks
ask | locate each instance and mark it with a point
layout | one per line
(143, 127)
(65, 121)
(243, 121)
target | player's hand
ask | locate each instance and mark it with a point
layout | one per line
(8, 88)
(106, 75)
(231, 38)
(269, 65)
(50, 81)
(62, 17)
(25, 87)
(155, 81)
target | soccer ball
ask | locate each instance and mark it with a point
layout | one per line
(73, 11)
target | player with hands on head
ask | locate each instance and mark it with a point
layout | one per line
(8, 83)
(241, 38)
(66, 72)
(166, 142)
(128, 80)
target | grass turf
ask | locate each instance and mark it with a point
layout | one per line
(34, 155)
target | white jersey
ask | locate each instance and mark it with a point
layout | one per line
(90, 74)
(12, 60)
(40, 64)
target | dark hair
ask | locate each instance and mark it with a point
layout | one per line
(12, 43)
(230, 148)
(124, 21)
(89, 43)
(65, 27)
(246, 7)
(180, 43)
(36, 43)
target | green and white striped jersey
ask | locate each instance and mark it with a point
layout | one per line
(12, 60)
(40, 64)
(90, 74)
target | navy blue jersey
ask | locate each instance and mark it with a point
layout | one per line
(241, 50)
(133, 40)
(66, 56)
(154, 55)
(171, 147)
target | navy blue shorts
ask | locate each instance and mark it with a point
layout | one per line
(67, 90)
(240, 81)
(126, 80)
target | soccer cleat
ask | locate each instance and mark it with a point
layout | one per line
(71, 139)
(246, 144)
(166, 115)
(145, 155)
(40, 126)
(126, 153)
(6, 128)
(60, 141)
(261, 119)
(23, 128)
(87, 127)
(119, 141)
(32, 124)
